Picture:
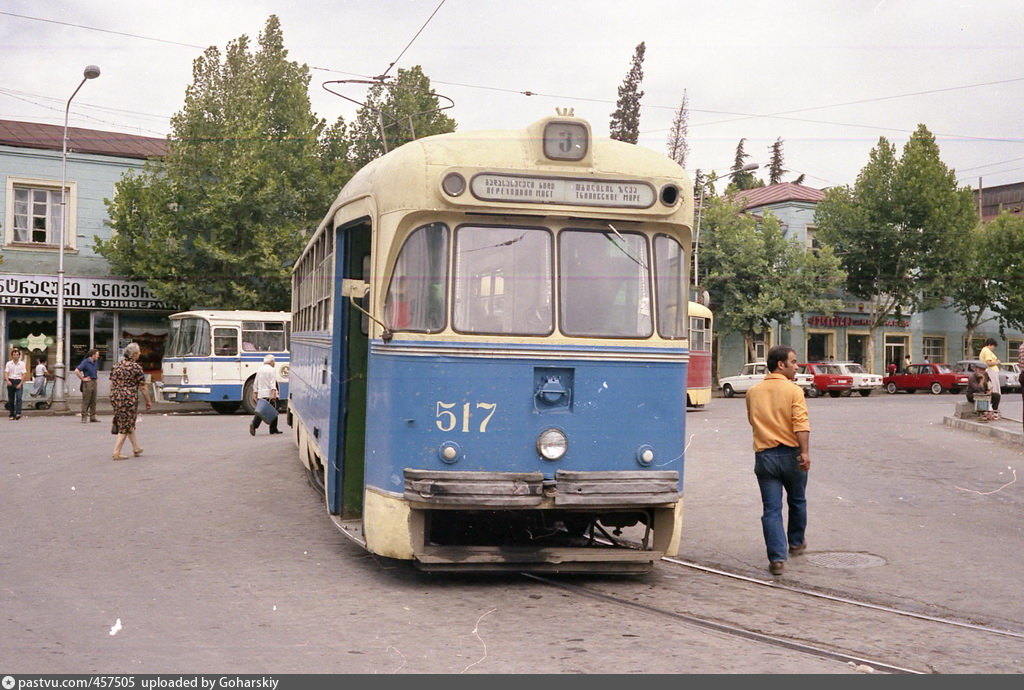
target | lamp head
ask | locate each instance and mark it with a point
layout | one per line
(91, 72)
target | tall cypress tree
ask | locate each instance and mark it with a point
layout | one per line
(775, 166)
(625, 122)
(678, 147)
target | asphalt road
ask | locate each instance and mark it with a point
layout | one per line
(211, 554)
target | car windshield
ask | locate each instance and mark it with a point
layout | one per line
(855, 369)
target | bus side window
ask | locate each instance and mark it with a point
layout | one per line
(225, 342)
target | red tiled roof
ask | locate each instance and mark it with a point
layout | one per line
(776, 194)
(38, 136)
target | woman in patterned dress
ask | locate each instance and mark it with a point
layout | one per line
(126, 380)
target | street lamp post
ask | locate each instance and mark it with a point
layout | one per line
(700, 209)
(60, 390)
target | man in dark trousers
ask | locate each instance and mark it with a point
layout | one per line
(87, 372)
(777, 413)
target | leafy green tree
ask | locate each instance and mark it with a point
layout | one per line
(220, 221)
(395, 113)
(776, 165)
(756, 277)
(625, 122)
(678, 147)
(899, 230)
(986, 285)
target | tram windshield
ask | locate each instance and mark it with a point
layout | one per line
(503, 280)
(605, 284)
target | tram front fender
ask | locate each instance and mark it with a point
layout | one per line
(387, 525)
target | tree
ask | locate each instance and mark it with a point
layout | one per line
(625, 123)
(775, 165)
(899, 230)
(985, 286)
(220, 221)
(678, 147)
(745, 179)
(396, 112)
(757, 277)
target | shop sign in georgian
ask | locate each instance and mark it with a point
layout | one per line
(21, 290)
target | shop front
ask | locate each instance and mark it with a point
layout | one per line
(100, 312)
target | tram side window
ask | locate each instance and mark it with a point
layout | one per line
(416, 296)
(264, 336)
(503, 281)
(605, 281)
(670, 263)
(225, 342)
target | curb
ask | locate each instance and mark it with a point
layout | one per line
(986, 429)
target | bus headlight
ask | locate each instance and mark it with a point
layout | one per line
(552, 444)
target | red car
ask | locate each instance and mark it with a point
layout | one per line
(828, 378)
(933, 377)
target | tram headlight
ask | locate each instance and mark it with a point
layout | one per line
(552, 444)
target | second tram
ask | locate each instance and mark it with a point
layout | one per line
(489, 354)
(698, 376)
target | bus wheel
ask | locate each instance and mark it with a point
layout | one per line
(247, 392)
(223, 407)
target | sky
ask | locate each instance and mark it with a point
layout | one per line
(827, 77)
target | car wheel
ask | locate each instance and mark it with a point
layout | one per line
(835, 394)
(846, 394)
(936, 388)
(728, 391)
(890, 387)
(813, 392)
(864, 394)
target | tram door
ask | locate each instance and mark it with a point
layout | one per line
(348, 392)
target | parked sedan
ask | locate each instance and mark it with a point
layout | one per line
(1009, 381)
(863, 382)
(752, 373)
(933, 377)
(827, 378)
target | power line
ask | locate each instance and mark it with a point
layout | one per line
(381, 77)
(106, 31)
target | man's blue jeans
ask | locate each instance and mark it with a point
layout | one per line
(778, 469)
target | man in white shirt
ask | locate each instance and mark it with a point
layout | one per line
(265, 387)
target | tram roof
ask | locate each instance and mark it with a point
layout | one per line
(408, 177)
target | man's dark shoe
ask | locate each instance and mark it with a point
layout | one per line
(797, 550)
(252, 428)
(275, 431)
(776, 567)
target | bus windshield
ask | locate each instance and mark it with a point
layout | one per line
(190, 337)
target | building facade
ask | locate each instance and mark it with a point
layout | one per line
(936, 335)
(101, 310)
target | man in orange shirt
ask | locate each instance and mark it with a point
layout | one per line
(777, 413)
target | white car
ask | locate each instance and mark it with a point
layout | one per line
(752, 373)
(863, 382)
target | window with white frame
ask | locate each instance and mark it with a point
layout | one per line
(33, 214)
(934, 349)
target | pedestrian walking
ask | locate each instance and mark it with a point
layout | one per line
(126, 380)
(265, 388)
(39, 378)
(88, 372)
(14, 377)
(777, 413)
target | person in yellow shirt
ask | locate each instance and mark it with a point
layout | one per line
(777, 413)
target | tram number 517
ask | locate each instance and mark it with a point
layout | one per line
(448, 416)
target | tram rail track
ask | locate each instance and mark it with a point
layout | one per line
(921, 641)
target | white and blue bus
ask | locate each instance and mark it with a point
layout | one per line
(213, 356)
(490, 352)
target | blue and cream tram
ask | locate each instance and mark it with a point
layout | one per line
(489, 352)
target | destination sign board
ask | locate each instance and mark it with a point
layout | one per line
(562, 190)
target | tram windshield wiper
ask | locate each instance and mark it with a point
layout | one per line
(623, 247)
